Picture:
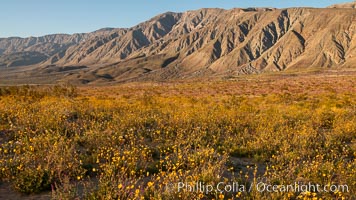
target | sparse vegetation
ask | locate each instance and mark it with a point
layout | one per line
(137, 141)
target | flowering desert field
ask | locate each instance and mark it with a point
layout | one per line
(255, 137)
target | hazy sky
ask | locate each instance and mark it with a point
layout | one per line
(40, 17)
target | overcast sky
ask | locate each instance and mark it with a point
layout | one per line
(26, 18)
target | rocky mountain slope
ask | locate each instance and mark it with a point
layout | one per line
(344, 5)
(17, 51)
(205, 42)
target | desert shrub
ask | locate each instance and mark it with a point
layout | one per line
(32, 181)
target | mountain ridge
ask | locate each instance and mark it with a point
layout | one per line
(344, 5)
(204, 42)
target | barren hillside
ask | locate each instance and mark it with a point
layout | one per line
(205, 42)
(344, 5)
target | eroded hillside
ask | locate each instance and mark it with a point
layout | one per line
(205, 42)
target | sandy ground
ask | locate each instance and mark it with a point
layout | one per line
(7, 193)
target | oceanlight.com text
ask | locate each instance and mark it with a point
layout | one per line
(300, 187)
(262, 187)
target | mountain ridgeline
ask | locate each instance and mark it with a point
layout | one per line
(205, 42)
